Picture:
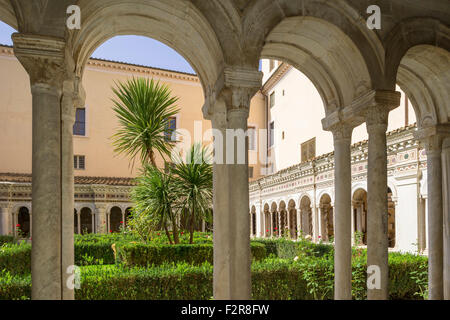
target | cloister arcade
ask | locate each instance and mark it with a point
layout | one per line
(355, 70)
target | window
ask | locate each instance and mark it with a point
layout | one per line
(272, 99)
(79, 128)
(308, 150)
(251, 138)
(79, 162)
(272, 65)
(168, 166)
(171, 127)
(250, 172)
(271, 134)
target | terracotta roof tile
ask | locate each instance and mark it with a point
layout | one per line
(110, 181)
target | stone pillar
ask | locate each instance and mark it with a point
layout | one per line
(446, 195)
(353, 223)
(5, 219)
(72, 97)
(377, 210)
(102, 223)
(47, 63)
(432, 137)
(377, 113)
(228, 108)
(342, 135)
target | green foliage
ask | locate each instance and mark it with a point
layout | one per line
(144, 255)
(153, 210)
(15, 259)
(143, 108)
(6, 239)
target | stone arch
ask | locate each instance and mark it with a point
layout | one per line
(292, 216)
(418, 59)
(306, 216)
(284, 224)
(128, 212)
(86, 220)
(7, 14)
(23, 226)
(359, 197)
(267, 220)
(326, 40)
(115, 219)
(275, 222)
(253, 220)
(326, 217)
(178, 24)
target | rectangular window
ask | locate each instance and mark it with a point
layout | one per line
(171, 127)
(252, 138)
(308, 150)
(272, 99)
(272, 64)
(272, 134)
(79, 128)
(79, 162)
(250, 172)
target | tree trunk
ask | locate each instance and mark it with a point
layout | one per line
(176, 238)
(191, 238)
(168, 234)
(151, 156)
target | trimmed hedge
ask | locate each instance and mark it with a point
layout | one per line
(143, 255)
(6, 239)
(15, 258)
(272, 279)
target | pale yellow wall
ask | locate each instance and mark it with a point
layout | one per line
(299, 113)
(101, 122)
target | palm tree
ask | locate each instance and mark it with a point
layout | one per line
(154, 197)
(144, 108)
(194, 184)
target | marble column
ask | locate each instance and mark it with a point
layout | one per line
(342, 135)
(5, 219)
(228, 109)
(432, 137)
(70, 100)
(446, 218)
(45, 60)
(377, 208)
(101, 215)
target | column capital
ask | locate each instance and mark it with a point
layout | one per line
(235, 88)
(377, 105)
(433, 137)
(43, 57)
(341, 131)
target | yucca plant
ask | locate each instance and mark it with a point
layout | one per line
(154, 197)
(194, 184)
(143, 108)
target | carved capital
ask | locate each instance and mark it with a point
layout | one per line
(235, 87)
(377, 119)
(341, 131)
(433, 137)
(44, 58)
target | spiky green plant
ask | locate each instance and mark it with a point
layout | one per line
(154, 197)
(194, 184)
(143, 108)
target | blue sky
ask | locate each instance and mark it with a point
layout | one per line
(131, 49)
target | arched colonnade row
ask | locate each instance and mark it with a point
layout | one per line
(88, 218)
(315, 222)
(354, 68)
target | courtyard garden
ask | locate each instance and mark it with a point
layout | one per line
(123, 266)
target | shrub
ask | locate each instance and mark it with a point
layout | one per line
(272, 279)
(16, 259)
(6, 239)
(143, 255)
